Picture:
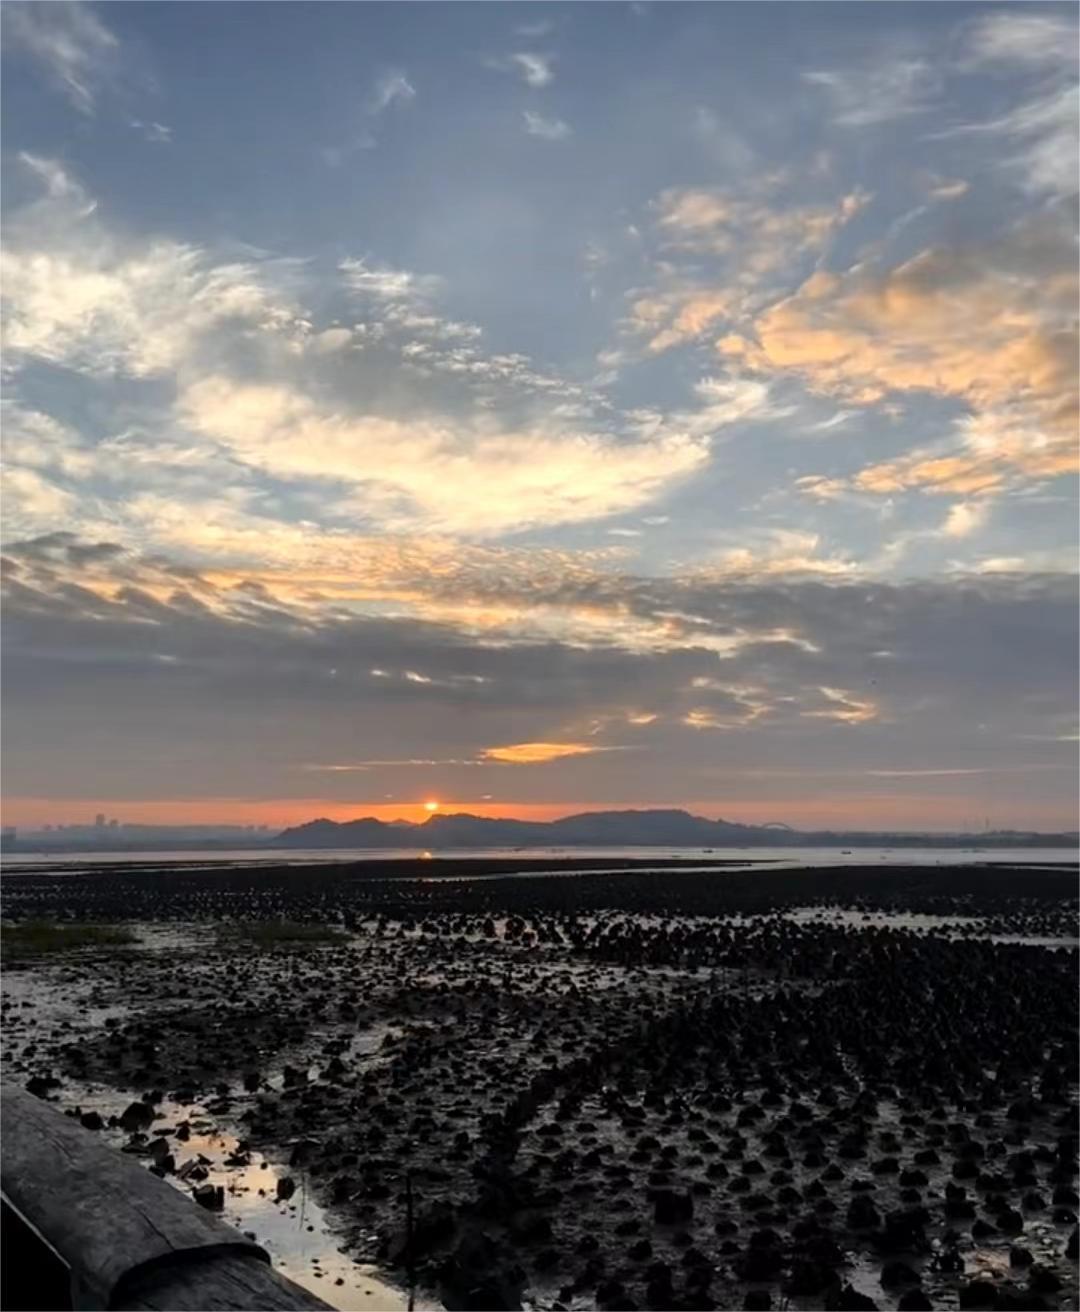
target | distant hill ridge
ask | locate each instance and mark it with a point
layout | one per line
(649, 828)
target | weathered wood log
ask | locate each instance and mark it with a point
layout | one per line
(129, 1239)
(226, 1281)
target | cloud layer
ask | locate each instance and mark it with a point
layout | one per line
(583, 411)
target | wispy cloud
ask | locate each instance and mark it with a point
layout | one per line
(159, 133)
(535, 69)
(387, 283)
(1022, 36)
(391, 88)
(1044, 121)
(73, 294)
(843, 706)
(881, 91)
(71, 44)
(550, 129)
(787, 552)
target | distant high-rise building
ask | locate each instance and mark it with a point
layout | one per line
(8, 836)
(114, 823)
(99, 821)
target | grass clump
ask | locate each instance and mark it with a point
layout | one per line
(284, 933)
(39, 937)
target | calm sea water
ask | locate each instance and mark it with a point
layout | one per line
(787, 857)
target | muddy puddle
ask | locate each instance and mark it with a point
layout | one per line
(266, 1199)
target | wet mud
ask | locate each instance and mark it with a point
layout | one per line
(640, 1089)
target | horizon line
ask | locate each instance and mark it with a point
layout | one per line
(429, 811)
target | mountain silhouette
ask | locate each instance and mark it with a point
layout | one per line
(647, 828)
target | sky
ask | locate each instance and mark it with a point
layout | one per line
(540, 407)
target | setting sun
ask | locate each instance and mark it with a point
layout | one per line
(431, 806)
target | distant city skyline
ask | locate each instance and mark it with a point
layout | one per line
(103, 824)
(540, 408)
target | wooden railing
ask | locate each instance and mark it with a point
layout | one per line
(126, 1239)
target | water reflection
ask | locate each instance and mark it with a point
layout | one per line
(296, 1232)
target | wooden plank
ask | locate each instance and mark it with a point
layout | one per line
(114, 1223)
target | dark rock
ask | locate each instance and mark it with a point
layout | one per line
(39, 1085)
(914, 1300)
(670, 1208)
(212, 1197)
(977, 1294)
(136, 1116)
(913, 1179)
(537, 1230)
(862, 1214)
(302, 1152)
(1042, 1280)
(1010, 1222)
(159, 1154)
(760, 1264)
(610, 1293)
(848, 1299)
(809, 1277)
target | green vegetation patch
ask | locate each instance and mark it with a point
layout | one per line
(37, 937)
(283, 933)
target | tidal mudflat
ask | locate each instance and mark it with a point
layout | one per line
(707, 1088)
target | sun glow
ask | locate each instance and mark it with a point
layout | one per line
(431, 806)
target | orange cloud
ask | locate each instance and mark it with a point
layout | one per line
(758, 238)
(540, 753)
(843, 706)
(700, 718)
(994, 328)
(945, 322)
(994, 451)
(691, 316)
